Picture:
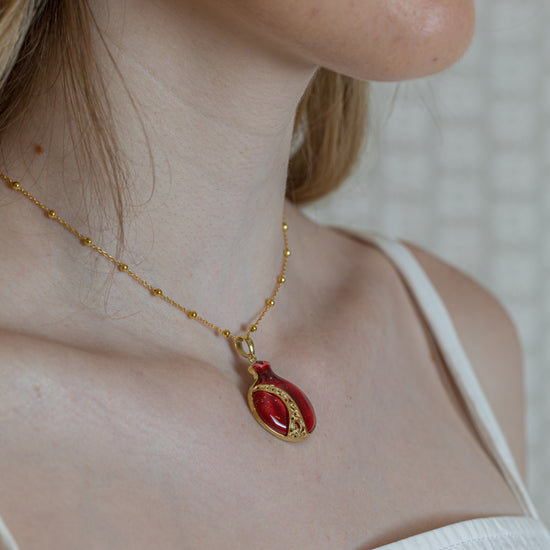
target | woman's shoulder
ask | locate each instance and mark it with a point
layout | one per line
(490, 340)
(483, 325)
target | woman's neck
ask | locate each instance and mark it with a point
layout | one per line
(217, 107)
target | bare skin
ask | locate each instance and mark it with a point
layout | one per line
(141, 446)
(126, 427)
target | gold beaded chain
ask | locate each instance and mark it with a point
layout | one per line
(155, 291)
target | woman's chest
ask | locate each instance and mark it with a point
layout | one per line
(178, 461)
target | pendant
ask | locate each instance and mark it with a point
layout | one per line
(279, 406)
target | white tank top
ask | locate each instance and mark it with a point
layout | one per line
(493, 533)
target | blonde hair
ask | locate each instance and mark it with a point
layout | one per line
(45, 39)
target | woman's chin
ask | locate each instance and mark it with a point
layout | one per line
(417, 38)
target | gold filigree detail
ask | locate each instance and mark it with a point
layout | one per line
(296, 425)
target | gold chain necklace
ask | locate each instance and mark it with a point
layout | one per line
(278, 405)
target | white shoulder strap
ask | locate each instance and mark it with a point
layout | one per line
(6, 540)
(441, 326)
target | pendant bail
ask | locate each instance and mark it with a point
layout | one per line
(245, 347)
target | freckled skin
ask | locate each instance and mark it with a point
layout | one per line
(382, 40)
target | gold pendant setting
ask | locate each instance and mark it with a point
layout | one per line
(279, 406)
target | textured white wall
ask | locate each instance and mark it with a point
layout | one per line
(462, 167)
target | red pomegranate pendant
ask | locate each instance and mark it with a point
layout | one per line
(279, 406)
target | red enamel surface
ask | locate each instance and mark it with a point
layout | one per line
(271, 409)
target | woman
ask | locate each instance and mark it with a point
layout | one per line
(162, 131)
